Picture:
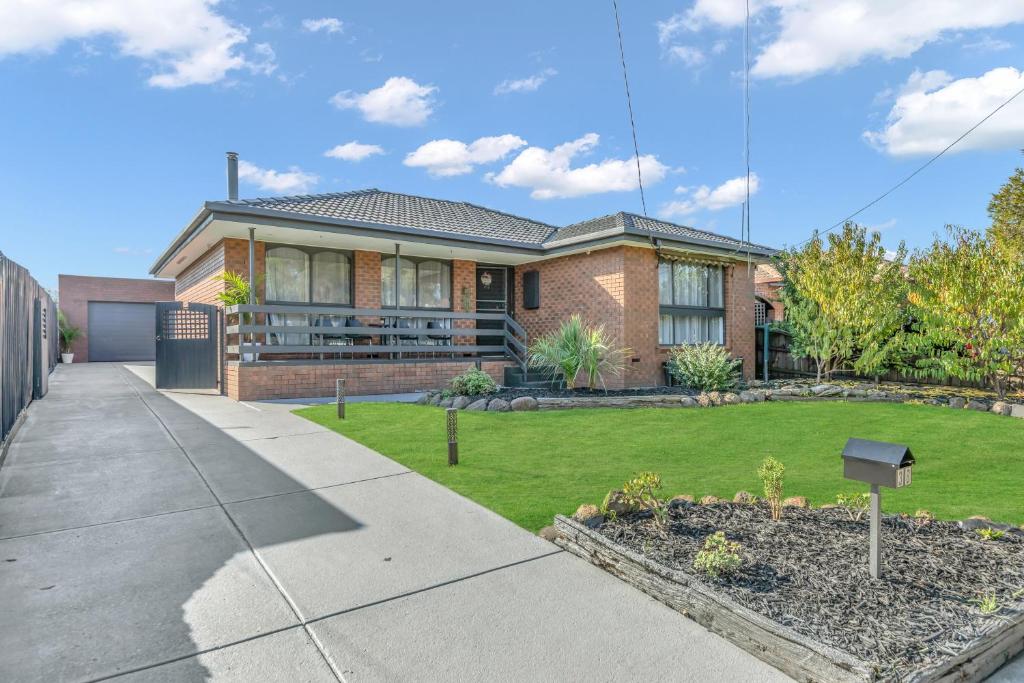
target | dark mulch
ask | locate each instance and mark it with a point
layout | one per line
(810, 572)
(509, 393)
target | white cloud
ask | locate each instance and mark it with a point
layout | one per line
(932, 110)
(400, 101)
(353, 151)
(549, 173)
(687, 54)
(528, 84)
(452, 157)
(730, 193)
(988, 44)
(327, 25)
(814, 36)
(292, 181)
(186, 41)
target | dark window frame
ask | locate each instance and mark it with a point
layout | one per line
(418, 260)
(707, 311)
(311, 251)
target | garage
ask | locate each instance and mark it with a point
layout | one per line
(120, 331)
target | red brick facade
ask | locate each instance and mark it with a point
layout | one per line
(291, 380)
(615, 286)
(76, 291)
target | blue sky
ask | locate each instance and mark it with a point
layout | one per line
(116, 113)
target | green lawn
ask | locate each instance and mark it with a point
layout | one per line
(530, 466)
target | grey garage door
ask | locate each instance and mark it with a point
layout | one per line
(120, 331)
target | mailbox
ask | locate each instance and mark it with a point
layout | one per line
(878, 463)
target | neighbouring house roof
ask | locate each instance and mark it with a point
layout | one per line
(396, 213)
(766, 272)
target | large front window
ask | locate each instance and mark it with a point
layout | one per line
(305, 275)
(422, 283)
(691, 303)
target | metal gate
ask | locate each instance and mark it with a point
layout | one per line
(186, 345)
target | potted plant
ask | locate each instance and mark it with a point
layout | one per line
(68, 334)
(238, 291)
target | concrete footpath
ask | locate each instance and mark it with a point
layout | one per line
(178, 537)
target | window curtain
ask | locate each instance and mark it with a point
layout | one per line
(691, 285)
(423, 284)
(287, 275)
(332, 278)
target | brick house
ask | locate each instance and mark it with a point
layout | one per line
(768, 302)
(426, 288)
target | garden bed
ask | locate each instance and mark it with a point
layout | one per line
(804, 601)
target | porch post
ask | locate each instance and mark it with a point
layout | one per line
(398, 273)
(252, 265)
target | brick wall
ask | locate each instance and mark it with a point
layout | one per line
(76, 291)
(259, 382)
(367, 279)
(769, 291)
(199, 282)
(619, 288)
(464, 296)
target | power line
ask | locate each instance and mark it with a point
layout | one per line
(745, 218)
(629, 105)
(916, 171)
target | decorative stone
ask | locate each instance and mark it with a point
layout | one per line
(425, 399)
(744, 497)
(704, 401)
(687, 401)
(877, 394)
(447, 403)
(708, 500)
(730, 398)
(828, 506)
(461, 402)
(957, 402)
(681, 498)
(613, 502)
(855, 392)
(747, 397)
(548, 533)
(478, 405)
(435, 400)
(975, 404)
(498, 405)
(715, 397)
(796, 502)
(586, 511)
(826, 390)
(524, 403)
(1001, 408)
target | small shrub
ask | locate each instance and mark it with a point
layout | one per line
(719, 557)
(575, 347)
(770, 472)
(855, 504)
(991, 534)
(472, 383)
(923, 517)
(987, 604)
(704, 367)
(639, 492)
(68, 332)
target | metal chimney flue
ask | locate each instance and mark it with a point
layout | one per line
(232, 176)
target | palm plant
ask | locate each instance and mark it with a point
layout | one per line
(237, 289)
(68, 332)
(578, 347)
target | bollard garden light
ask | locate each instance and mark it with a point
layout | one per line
(880, 464)
(339, 388)
(452, 422)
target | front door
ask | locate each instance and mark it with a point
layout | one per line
(492, 296)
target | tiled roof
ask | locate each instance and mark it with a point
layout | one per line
(409, 211)
(767, 273)
(631, 222)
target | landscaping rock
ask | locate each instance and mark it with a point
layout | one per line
(715, 397)
(957, 402)
(826, 390)
(795, 502)
(478, 405)
(435, 400)
(586, 511)
(524, 403)
(548, 533)
(855, 392)
(681, 498)
(687, 401)
(744, 497)
(498, 405)
(747, 397)
(828, 506)
(461, 402)
(708, 500)
(877, 394)
(975, 404)
(614, 502)
(425, 399)
(730, 398)
(447, 403)
(704, 401)
(1002, 408)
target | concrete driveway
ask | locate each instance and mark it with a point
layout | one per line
(161, 536)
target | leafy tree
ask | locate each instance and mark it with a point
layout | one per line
(967, 298)
(845, 305)
(1007, 212)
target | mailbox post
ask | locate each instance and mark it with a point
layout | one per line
(877, 463)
